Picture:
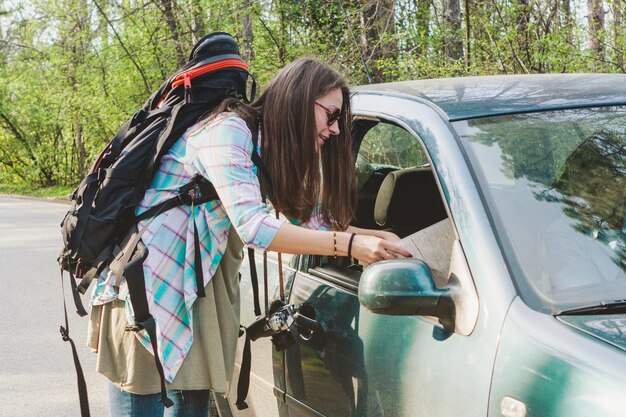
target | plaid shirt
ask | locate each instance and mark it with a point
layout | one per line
(220, 151)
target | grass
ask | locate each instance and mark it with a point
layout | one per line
(56, 192)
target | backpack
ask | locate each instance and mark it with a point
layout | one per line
(100, 229)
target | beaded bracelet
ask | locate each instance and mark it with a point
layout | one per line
(335, 242)
(350, 245)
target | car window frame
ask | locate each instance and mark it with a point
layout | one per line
(311, 265)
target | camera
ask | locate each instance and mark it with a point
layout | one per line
(277, 324)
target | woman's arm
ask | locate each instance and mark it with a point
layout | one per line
(224, 158)
(224, 149)
(365, 248)
(392, 237)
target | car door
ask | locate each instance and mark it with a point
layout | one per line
(362, 364)
(265, 396)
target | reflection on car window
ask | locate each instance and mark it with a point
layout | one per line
(390, 145)
(556, 183)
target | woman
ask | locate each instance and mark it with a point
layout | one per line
(304, 125)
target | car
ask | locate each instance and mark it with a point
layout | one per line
(510, 191)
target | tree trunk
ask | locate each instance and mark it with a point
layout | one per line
(568, 21)
(74, 41)
(468, 35)
(198, 29)
(379, 27)
(80, 148)
(523, 17)
(595, 15)
(247, 35)
(78, 53)
(168, 8)
(619, 7)
(453, 37)
(282, 36)
(423, 25)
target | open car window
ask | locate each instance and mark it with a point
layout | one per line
(398, 193)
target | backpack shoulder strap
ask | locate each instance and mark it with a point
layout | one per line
(133, 271)
(255, 129)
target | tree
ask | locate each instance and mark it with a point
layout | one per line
(74, 70)
(422, 19)
(170, 11)
(619, 44)
(453, 38)
(74, 39)
(523, 20)
(379, 36)
(595, 15)
(568, 21)
(247, 34)
(197, 16)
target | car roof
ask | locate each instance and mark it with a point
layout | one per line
(473, 97)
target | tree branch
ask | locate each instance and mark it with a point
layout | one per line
(19, 136)
(517, 59)
(130, 56)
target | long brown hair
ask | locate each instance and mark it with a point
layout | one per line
(286, 114)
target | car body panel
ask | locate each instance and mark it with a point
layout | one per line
(365, 364)
(267, 379)
(478, 349)
(556, 370)
(464, 98)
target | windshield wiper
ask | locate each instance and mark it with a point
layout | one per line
(605, 307)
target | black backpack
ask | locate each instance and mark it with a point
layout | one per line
(100, 230)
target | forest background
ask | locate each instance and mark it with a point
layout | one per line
(72, 71)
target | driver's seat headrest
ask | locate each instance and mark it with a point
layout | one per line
(408, 200)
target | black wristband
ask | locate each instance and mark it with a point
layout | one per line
(350, 245)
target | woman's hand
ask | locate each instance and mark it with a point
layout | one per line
(388, 236)
(369, 249)
(377, 245)
(367, 245)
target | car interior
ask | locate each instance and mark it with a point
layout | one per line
(402, 198)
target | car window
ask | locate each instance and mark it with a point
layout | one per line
(390, 145)
(409, 204)
(555, 183)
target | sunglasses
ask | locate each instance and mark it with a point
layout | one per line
(333, 115)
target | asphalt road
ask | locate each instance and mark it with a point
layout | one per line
(37, 376)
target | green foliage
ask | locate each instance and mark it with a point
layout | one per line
(74, 70)
(406, 151)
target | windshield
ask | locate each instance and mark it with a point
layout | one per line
(555, 184)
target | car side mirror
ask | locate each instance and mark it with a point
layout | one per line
(406, 287)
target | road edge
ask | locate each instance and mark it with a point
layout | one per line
(58, 200)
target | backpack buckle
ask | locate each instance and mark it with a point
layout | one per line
(65, 335)
(187, 197)
(133, 328)
(187, 84)
(191, 192)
